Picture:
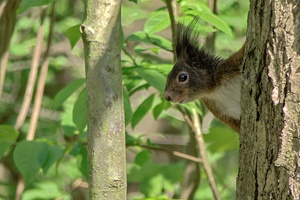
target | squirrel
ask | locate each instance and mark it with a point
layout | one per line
(199, 75)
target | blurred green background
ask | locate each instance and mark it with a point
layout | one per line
(54, 164)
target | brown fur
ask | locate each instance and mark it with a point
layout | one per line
(214, 80)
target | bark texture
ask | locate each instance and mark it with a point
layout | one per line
(106, 135)
(269, 156)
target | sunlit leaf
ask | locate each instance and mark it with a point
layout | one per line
(26, 4)
(66, 92)
(143, 157)
(44, 190)
(80, 112)
(149, 173)
(67, 124)
(159, 108)
(150, 39)
(55, 153)
(154, 186)
(29, 157)
(142, 110)
(73, 35)
(127, 108)
(216, 22)
(157, 21)
(221, 138)
(139, 49)
(153, 77)
(83, 162)
(8, 134)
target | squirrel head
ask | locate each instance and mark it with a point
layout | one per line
(193, 73)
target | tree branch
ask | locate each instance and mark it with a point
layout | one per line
(7, 25)
(105, 114)
(202, 148)
(41, 83)
(32, 74)
(172, 20)
(175, 153)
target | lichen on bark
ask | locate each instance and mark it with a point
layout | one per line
(106, 132)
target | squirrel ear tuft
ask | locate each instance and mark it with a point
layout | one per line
(187, 42)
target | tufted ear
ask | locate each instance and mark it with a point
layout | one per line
(186, 42)
(188, 47)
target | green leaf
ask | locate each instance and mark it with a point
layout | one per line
(153, 77)
(163, 105)
(216, 22)
(138, 88)
(134, 1)
(221, 138)
(67, 123)
(150, 39)
(80, 112)
(127, 108)
(139, 49)
(66, 92)
(73, 34)
(157, 21)
(193, 105)
(30, 157)
(8, 136)
(163, 68)
(149, 173)
(201, 9)
(3, 148)
(142, 110)
(44, 190)
(83, 162)
(55, 153)
(26, 4)
(142, 157)
(154, 186)
(130, 140)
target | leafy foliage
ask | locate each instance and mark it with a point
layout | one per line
(59, 148)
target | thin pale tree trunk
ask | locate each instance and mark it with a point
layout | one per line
(269, 158)
(106, 132)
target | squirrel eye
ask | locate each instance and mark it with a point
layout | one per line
(182, 77)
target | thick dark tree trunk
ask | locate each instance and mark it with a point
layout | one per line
(269, 156)
(106, 132)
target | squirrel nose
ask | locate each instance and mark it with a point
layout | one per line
(167, 97)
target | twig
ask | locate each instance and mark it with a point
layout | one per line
(129, 55)
(32, 74)
(20, 187)
(188, 157)
(172, 19)
(79, 183)
(175, 153)
(155, 43)
(202, 148)
(192, 172)
(211, 37)
(29, 91)
(3, 63)
(7, 24)
(2, 6)
(41, 84)
(37, 101)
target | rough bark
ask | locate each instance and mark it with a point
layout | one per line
(270, 129)
(106, 135)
